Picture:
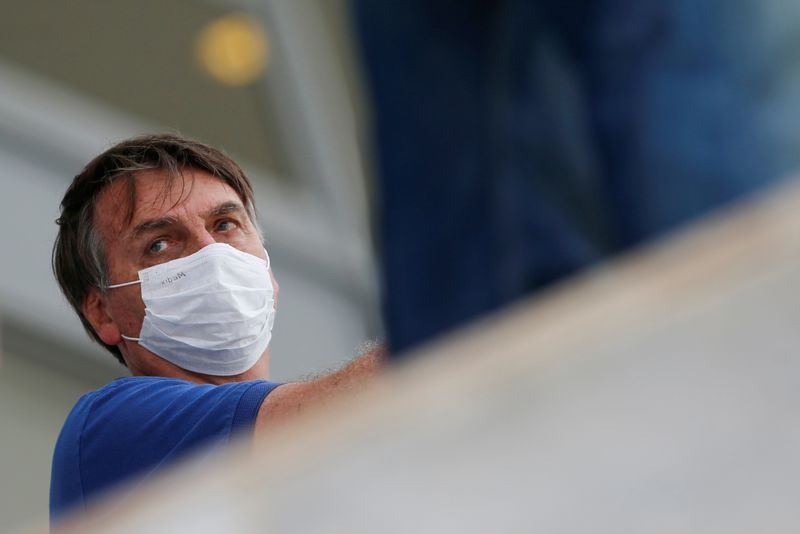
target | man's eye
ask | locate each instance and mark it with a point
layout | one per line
(157, 246)
(225, 225)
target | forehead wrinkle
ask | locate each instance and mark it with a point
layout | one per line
(173, 189)
(112, 210)
(169, 186)
(172, 193)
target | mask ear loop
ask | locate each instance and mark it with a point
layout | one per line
(123, 284)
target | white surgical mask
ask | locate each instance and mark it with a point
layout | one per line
(211, 312)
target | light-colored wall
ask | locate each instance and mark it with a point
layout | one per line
(34, 401)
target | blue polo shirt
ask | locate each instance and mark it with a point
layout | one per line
(136, 425)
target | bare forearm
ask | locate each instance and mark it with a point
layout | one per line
(289, 400)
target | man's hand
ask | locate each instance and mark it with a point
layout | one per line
(291, 399)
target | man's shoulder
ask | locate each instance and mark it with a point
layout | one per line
(134, 384)
(116, 397)
(154, 400)
(131, 385)
(136, 424)
(111, 392)
(125, 387)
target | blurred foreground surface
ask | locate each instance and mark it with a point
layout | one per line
(656, 394)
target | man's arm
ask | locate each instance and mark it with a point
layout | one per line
(291, 399)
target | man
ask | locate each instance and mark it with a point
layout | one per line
(160, 254)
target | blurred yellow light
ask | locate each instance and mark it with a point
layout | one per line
(233, 49)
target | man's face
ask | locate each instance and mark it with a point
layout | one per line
(167, 224)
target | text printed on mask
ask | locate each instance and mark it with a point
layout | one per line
(175, 278)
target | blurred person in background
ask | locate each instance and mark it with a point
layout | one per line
(521, 140)
(160, 254)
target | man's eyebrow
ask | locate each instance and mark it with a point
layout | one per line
(225, 208)
(153, 224)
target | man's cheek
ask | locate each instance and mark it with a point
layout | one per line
(130, 309)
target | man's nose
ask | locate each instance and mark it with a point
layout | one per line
(200, 238)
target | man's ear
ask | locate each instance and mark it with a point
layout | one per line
(95, 309)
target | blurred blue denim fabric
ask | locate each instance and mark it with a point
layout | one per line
(519, 141)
